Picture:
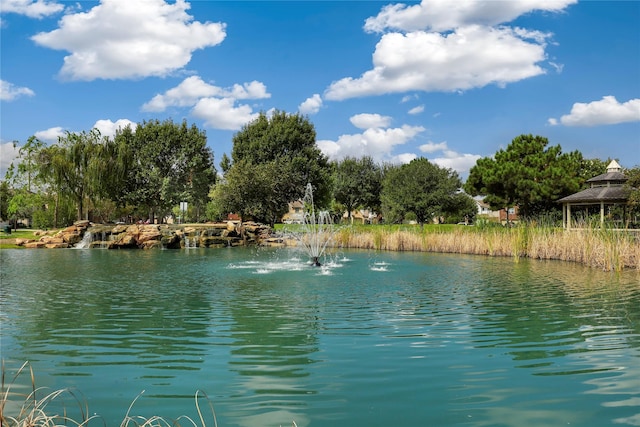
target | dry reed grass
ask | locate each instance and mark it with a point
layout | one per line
(609, 250)
(30, 410)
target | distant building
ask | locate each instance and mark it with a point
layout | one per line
(485, 211)
(295, 215)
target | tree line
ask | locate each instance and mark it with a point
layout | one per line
(144, 173)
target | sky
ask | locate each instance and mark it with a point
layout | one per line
(449, 80)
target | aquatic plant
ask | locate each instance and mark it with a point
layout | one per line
(606, 249)
(25, 405)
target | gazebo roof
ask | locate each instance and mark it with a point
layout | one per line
(614, 174)
(615, 194)
(609, 176)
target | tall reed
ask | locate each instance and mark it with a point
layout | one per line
(25, 405)
(607, 249)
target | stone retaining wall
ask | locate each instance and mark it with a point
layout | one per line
(84, 234)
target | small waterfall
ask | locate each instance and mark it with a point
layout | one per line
(85, 243)
(191, 242)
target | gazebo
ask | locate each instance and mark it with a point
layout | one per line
(606, 190)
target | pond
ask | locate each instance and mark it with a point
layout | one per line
(374, 339)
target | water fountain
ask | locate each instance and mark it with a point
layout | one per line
(317, 229)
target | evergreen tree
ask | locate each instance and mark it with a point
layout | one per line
(527, 174)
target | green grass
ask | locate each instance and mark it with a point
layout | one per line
(6, 240)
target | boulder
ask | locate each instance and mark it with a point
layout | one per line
(23, 242)
(61, 245)
(124, 241)
(146, 236)
(35, 245)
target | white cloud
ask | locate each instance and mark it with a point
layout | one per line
(450, 159)
(471, 57)
(8, 153)
(214, 104)
(375, 142)
(460, 163)
(186, 94)
(444, 45)
(607, 111)
(417, 110)
(445, 15)
(221, 113)
(33, 9)
(252, 90)
(192, 89)
(408, 98)
(367, 121)
(311, 105)
(403, 158)
(9, 92)
(129, 39)
(109, 128)
(50, 135)
(432, 147)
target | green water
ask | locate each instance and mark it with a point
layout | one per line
(380, 339)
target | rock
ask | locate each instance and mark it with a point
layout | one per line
(72, 237)
(126, 241)
(171, 241)
(146, 236)
(35, 245)
(118, 229)
(152, 244)
(23, 242)
(61, 245)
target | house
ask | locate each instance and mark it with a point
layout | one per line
(363, 216)
(485, 211)
(605, 192)
(295, 215)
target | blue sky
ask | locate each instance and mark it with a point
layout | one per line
(448, 80)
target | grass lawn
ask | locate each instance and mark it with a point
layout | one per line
(7, 241)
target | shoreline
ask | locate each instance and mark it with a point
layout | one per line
(608, 250)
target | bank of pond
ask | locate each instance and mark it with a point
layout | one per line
(602, 248)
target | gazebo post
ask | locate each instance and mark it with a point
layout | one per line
(601, 214)
(568, 216)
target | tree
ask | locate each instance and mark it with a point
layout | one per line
(28, 165)
(5, 196)
(225, 163)
(421, 188)
(460, 208)
(273, 160)
(85, 166)
(526, 174)
(592, 167)
(633, 183)
(357, 183)
(171, 164)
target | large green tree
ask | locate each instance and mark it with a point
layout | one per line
(82, 166)
(527, 174)
(171, 164)
(420, 187)
(273, 159)
(357, 183)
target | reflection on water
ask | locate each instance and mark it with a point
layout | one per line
(371, 339)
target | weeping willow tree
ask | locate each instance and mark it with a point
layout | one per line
(85, 166)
